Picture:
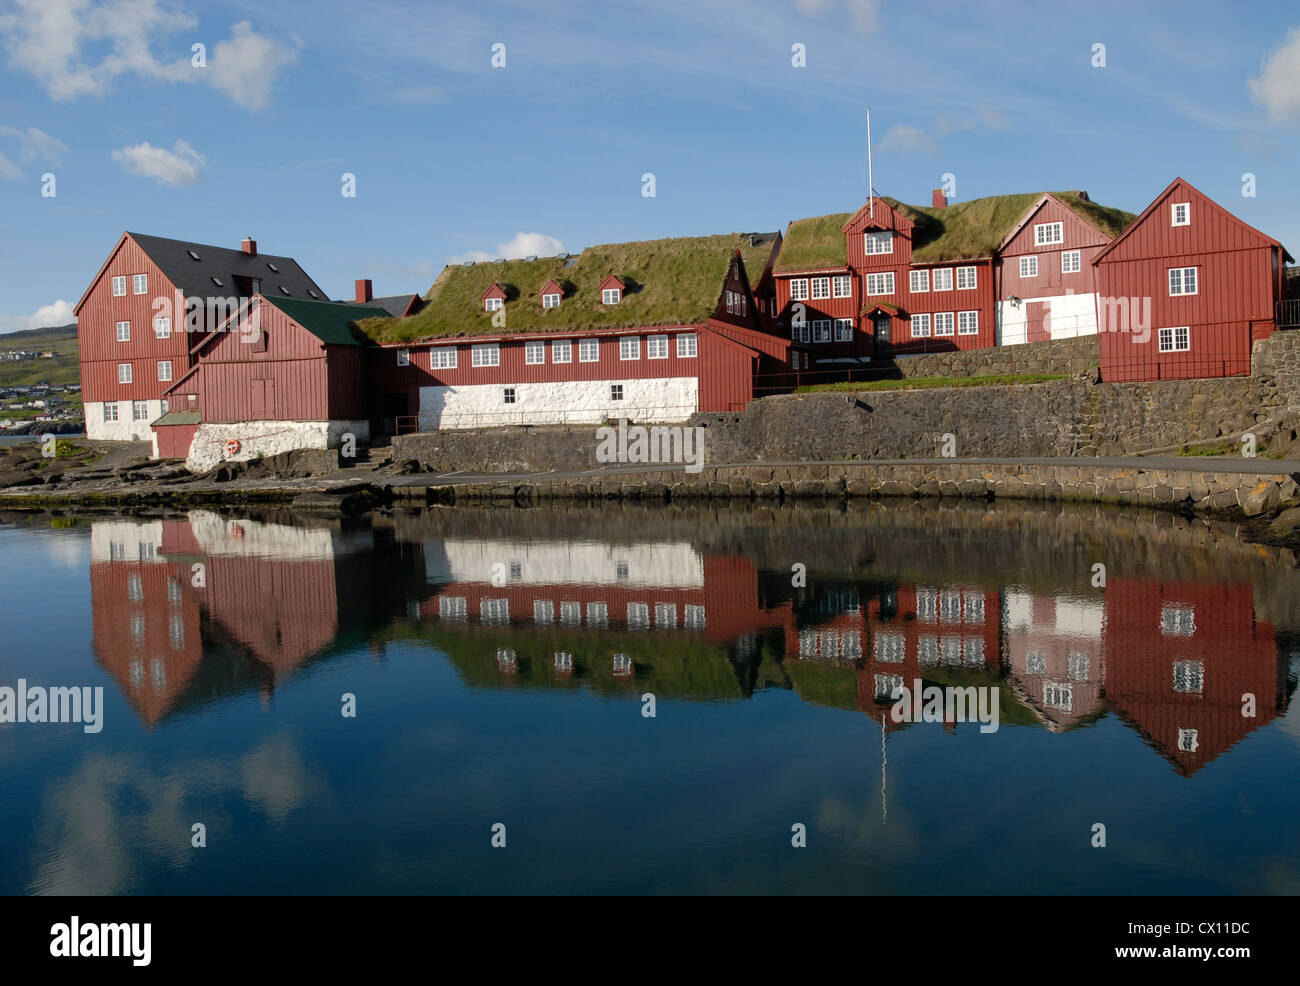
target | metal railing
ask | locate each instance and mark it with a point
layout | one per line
(1288, 313)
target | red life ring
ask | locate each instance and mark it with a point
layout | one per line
(233, 447)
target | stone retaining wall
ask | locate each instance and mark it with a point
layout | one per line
(1072, 357)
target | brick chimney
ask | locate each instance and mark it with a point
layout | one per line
(364, 291)
(938, 200)
(249, 246)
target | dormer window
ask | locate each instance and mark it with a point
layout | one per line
(494, 298)
(492, 304)
(610, 296)
(878, 241)
(1180, 214)
(551, 300)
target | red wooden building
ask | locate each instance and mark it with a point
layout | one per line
(1186, 290)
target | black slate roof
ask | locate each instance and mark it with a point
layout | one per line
(394, 304)
(280, 276)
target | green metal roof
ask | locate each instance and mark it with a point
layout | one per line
(329, 321)
(179, 418)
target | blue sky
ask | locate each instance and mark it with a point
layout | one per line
(455, 158)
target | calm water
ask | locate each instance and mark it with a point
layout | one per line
(499, 660)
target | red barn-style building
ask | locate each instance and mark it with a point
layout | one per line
(1186, 290)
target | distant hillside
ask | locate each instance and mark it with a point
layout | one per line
(63, 368)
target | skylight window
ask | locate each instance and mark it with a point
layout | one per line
(193, 255)
(313, 294)
(217, 281)
(283, 289)
(273, 267)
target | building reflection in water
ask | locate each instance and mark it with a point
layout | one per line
(196, 608)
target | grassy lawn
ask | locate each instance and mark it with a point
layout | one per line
(929, 383)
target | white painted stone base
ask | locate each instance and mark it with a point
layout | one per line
(662, 399)
(124, 429)
(266, 438)
(1068, 315)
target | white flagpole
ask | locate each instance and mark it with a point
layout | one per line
(871, 198)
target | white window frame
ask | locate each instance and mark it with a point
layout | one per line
(821, 330)
(110, 406)
(164, 370)
(1029, 266)
(941, 279)
(119, 286)
(820, 287)
(562, 351)
(656, 347)
(493, 304)
(162, 327)
(1173, 213)
(1169, 339)
(534, 352)
(920, 325)
(799, 289)
(918, 282)
(629, 348)
(968, 323)
(1075, 261)
(139, 410)
(1047, 234)
(403, 357)
(482, 354)
(877, 242)
(443, 358)
(1182, 280)
(967, 274)
(844, 330)
(842, 286)
(123, 372)
(123, 331)
(139, 283)
(588, 350)
(550, 300)
(879, 280)
(611, 296)
(687, 345)
(945, 324)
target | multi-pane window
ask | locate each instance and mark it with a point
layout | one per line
(888, 685)
(880, 283)
(1078, 666)
(821, 288)
(615, 391)
(638, 616)
(1187, 740)
(927, 604)
(1071, 262)
(694, 617)
(543, 611)
(821, 330)
(844, 330)
(123, 372)
(920, 326)
(1028, 266)
(942, 279)
(629, 347)
(943, 323)
(562, 352)
(140, 283)
(492, 304)
(1175, 340)
(656, 347)
(919, 281)
(968, 323)
(610, 296)
(443, 357)
(494, 610)
(403, 357)
(799, 330)
(972, 652)
(452, 607)
(1189, 676)
(666, 616)
(110, 410)
(550, 301)
(164, 369)
(890, 646)
(485, 354)
(123, 331)
(508, 395)
(588, 350)
(534, 352)
(1178, 621)
(139, 410)
(135, 588)
(1045, 234)
(799, 289)
(162, 327)
(1036, 663)
(843, 286)
(686, 345)
(1058, 695)
(878, 242)
(597, 614)
(571, 613)
(119, 286)
(966, 278)
(1182, 280)
(1180, 214)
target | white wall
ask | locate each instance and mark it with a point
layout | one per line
(1069, 315)
(123, 429)
(579, 401)
(674, 564)
(267, 438)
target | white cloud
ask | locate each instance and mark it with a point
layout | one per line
(247, 66)
(77, 48)
(983, 118)
(907, 139)
(33, 145)
(1278, 87)
(179, 166)
(865, 14)
(523, 245)
(56, 313)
